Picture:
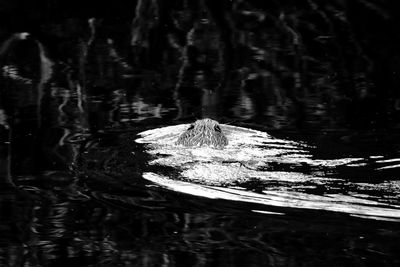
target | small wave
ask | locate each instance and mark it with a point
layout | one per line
(284, 173)
(351, 205)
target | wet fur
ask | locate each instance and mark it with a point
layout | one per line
(205, 132)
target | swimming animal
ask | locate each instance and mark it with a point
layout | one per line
(256, 168)
(203, 132)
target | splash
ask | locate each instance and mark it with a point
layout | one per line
(257, 168)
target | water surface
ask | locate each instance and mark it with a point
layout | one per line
(79, 81)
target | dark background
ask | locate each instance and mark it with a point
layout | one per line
(92, 74)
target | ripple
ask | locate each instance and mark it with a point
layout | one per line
(352, 205)
(257, 168)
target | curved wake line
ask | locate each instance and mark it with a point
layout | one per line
(280, 166)
(333, 202)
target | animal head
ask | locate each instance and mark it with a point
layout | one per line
(205, 132)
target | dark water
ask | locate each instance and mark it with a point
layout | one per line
(80, 80)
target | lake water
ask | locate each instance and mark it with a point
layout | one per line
(317, 82)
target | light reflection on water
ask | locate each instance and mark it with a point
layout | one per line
(75, 90)
(284, 173)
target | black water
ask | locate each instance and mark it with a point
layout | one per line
(80, 80)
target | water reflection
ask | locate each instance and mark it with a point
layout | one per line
(74, 90)
(89, 232)
(258, 168)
